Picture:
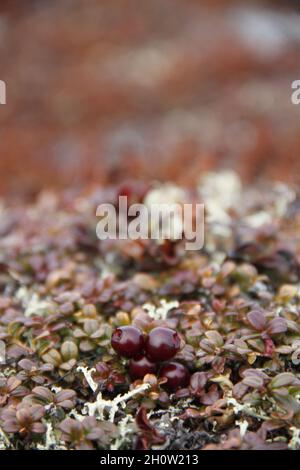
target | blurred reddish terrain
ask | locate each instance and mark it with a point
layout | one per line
(106, 91)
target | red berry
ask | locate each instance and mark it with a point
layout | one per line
(162, 344)
(140, 366)
(127, 341)
(178, 375)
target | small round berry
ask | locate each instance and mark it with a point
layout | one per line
(162, 344)
(140, 366)
(178, 375)
(127, 341)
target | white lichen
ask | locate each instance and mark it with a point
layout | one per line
(32, 303)
(97, 408)
(258, 219)
(55, 389)
(246, 409)
(74, 414)
(160, 313)
(50, 440)
(243, 425)
(126, 429)
(88, 376)
(220, 191)
(166, 193)
(172, 411)
(294, 443)
(4, 441)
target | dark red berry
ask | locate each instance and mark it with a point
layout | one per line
(178, 375)
(140, 366)
(162, 344)
(127, 341)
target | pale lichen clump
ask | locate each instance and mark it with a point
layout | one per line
(97, 408)
(33, 304)
(4, 441)
(294, 443)
(160, 313)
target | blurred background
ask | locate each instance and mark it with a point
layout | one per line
(106, 91)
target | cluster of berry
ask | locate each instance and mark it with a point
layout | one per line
(145, 353)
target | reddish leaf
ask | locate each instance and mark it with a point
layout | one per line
(257, 320)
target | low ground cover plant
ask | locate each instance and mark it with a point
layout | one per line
(135, 344)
